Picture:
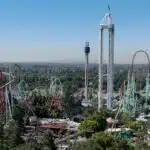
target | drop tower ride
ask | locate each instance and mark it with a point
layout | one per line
(107, 25)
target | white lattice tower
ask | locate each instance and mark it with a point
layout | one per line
(55, 88)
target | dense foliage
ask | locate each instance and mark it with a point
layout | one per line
(102, 141)
(96, 121)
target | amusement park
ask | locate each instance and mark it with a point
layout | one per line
(87, 108)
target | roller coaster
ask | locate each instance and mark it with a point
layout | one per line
(129, 88)
(11, 90)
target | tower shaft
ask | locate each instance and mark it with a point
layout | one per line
(86, 77)
(86, 51)
(110, 66)
(100, 75)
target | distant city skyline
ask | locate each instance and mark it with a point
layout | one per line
(56, 31)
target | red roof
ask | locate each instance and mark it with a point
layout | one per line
(54, 126)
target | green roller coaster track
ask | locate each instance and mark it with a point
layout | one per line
(129, 97)
(21, 87)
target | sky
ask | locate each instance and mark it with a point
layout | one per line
(56, 30)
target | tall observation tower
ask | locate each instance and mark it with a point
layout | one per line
(109, 26)
(86, 51)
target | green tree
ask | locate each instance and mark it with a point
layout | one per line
(141, 145)
(123, 145)
(2, 144)
(27, 146)
(12, 134)
(102, 141)
(88, 124)
(88, 111)
(125, 118)
(18, 114)
(47, 141)
(86, 145)
(99, 118)
(146, 111)
(135, 125)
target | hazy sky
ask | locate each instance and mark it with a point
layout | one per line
(56, 30)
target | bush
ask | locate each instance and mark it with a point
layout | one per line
(104, 140)
(97, 121)
(135, 125)
(88, 124)
(12, 135)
